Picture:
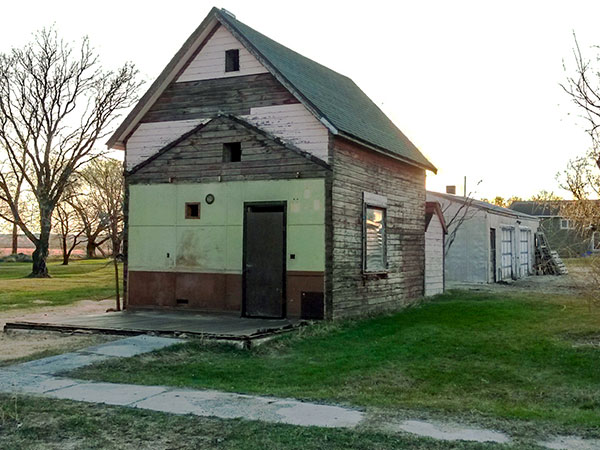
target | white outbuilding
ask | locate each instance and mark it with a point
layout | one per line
(435, 239)
(485, 243)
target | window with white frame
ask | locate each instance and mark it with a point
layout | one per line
(374, 233)
(567, 224)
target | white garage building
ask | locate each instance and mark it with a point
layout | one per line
(485, 243)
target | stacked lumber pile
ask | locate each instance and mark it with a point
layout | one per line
(547, 261)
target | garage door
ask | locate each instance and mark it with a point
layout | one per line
(507, 266)
(524, 252)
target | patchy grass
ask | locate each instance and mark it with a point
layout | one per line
(81, 279)
(583, 262)
(477, 354)
(36, 423)
(42, 345)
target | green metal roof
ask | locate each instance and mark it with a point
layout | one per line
(336, 97)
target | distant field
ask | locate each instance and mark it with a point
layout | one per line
(80, 280)
(54, 252)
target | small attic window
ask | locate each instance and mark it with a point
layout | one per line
(192, 210)
(232, 152)
(232, 60)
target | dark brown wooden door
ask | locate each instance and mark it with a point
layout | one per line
(264, 260)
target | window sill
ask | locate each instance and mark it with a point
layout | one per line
(375, 275)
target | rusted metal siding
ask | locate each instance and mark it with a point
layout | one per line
(357, 170)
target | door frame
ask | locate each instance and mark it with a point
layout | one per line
(527, 264)
(493, 254)
(511, 231)
(266, 204)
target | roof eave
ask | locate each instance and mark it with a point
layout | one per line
(386, 152)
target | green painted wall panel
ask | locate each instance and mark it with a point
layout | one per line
(213, 243)
(306, 242)
(149, 247)
(154, 206)
(201, 248)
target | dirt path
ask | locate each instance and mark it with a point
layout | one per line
(20, 344)
(570, 284)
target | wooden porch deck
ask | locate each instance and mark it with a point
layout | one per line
(228, 327)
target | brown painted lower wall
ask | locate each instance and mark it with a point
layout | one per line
(209, 291)
(297, 282)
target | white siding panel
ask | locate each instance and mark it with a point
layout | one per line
(149, 138)
(293, 124)
(209, 63)
(434, 258)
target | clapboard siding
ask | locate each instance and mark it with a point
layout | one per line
(294, 124)
(199, 158)
(259, 99)
(434, 257)
(209, 63)
(149, 138)
(357, 170)
(206, 98)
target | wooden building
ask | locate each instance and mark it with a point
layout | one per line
(485, 243)
(261, 182)
(562, 234)
(435, 242)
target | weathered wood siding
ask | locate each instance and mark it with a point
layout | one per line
(294, 124)
(434, 257)
(206, 98)
(204, 90)
(149, 138)
(356, 170)
(210, 61)
(199, 158)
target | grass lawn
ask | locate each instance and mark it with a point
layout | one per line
(81, 279)
(487, 357)
(36, 423)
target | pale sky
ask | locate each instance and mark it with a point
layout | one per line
(475, 85)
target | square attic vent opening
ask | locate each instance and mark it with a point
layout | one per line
(232, 60)
(232, 152)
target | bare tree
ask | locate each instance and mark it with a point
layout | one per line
(55, 102)
(14, 183)
(104, 178)
(456, 217)
(93, 223)
(582, 177)
(69, 227)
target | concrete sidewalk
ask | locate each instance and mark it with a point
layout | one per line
(41, 377)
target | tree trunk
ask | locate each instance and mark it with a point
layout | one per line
(40, 254)
(66, 253)
(15, 239)
(90, 249)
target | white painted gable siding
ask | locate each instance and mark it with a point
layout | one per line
(434, 257)
(293, 124)
(149, 138)
(209, 63)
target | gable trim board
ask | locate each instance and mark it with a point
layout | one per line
(190, 48)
